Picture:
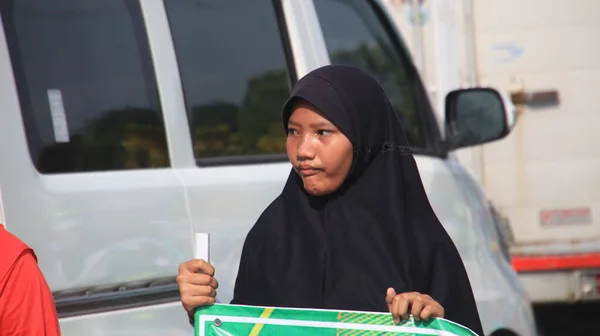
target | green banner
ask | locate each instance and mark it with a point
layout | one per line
(237, 320)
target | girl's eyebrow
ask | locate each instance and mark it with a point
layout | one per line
(320, 124)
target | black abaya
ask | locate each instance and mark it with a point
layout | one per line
(378, 230)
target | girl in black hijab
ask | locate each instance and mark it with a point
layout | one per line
(353, 225)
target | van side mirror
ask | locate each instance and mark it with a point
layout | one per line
(476, 116)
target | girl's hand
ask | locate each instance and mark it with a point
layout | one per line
(197, 285)
(420, 306)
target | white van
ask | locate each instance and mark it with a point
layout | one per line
(127, 125)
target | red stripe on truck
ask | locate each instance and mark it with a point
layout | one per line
(548, 263)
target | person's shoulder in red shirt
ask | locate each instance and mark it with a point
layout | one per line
(26, 303)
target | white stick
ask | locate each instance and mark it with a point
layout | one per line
(201, 248)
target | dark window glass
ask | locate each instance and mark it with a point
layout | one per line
(355, 35)
(234, 72)
(86, 84)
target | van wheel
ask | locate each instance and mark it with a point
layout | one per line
(503, 332)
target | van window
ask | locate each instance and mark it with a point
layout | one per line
(86, 84)
(234, 72)
(355, 35)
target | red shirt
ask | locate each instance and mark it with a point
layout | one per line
(26, 304)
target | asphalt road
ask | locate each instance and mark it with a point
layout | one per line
(565, 320)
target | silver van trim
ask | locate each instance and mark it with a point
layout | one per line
(105, 298)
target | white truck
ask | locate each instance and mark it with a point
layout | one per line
(545, 177)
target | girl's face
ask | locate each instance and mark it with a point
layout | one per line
(320, 153)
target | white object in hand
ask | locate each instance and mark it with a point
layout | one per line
(201, 247)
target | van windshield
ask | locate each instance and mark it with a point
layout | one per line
(356, 35)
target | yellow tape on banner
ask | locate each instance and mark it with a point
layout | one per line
(257, 327)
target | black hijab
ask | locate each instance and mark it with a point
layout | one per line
(377, 231)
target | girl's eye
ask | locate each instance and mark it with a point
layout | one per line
(324, 132)
(291, 131)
